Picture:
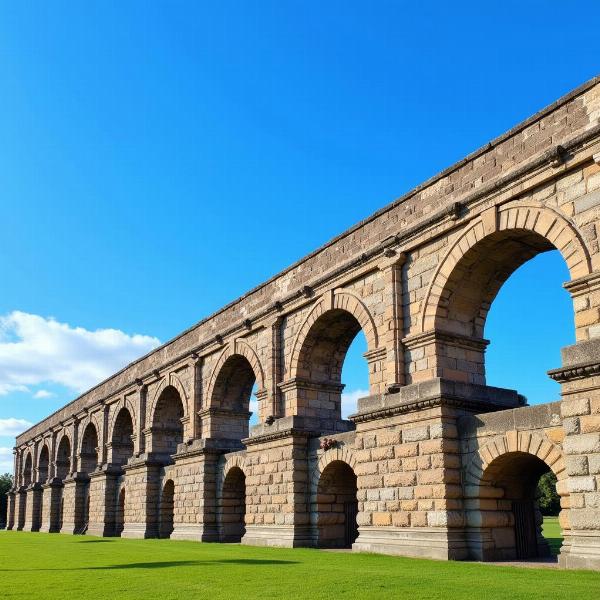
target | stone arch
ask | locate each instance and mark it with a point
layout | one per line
(231, 499)
(334, 500)
(226, 412)
(532, 222)
(167, 419)
(515, 441)
(121, 433)
(173, 381)
(166, 508)
(43, 462)
(342, 454)
(502, 514)
(27, 472)
(88, 447)
(124, 403)
(62, 458)
(239, 348)
(342, 300)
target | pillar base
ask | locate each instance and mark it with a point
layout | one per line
(195, 532)
(280, 536)
(52, 494)
(581, 552)
(421, 542)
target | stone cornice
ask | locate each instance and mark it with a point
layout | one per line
(278, 435)
(213, 410)
(574, 372)
(435, 335)
(475, 406)
(303, 384)
(583, 285)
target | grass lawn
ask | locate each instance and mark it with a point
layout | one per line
(38, 565)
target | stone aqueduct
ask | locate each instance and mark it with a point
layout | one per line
(434, 462)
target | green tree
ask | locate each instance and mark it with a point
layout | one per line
(6, 482)
(548, 499)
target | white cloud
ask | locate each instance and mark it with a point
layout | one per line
(350, 401)
(11, 427)
(6, 460)
(36, 350)
(43, 394)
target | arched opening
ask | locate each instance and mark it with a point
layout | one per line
(28, 470)
(231, 398)
(167, 502)
(320, 362)
(167, 426)
(459, 304)
(233, 506)
(43, 464)
(507, 511)
(120, 513)
(88, 462)
(63, 458)
(121, 443)
(89, 450)
(63, 468)
(337, 506)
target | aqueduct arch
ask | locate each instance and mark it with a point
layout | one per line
(434, 451)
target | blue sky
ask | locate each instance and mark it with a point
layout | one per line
(160, 159)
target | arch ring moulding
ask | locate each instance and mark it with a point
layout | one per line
(241, 348)
(515, 216)
(342, 300)
(515, 441)
(342, 454)
(174, 381)
(124, 402)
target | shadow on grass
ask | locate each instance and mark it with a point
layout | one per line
(92, 541)
(167, 564)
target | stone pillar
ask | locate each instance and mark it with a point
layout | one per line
(394, 357)
(580, 409)
(74, 497)
(195, 494)
(142, 489)
(10, 512)
(408, 465)
(52, 494)
(33, 510)
(277, 495)
(103, 492)
(21, 504)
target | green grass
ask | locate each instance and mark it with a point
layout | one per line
(552, 533)
(38, 565)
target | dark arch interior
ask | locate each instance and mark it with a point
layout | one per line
(89, 449)
(44, 462)
(232, 393)
(167, 499)
(122, 444)
(167, 428)
(337, 506)
(320, 363)
(63, 458)
(28, 470)
(233, 506)
(510, 511)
